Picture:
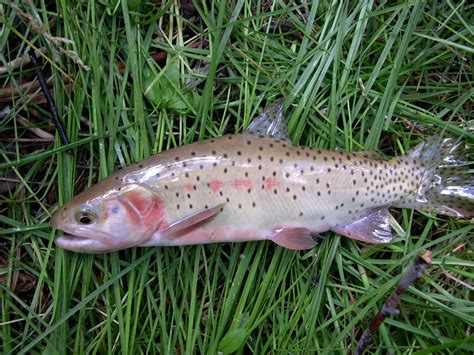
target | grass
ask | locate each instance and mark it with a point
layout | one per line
(356, 75)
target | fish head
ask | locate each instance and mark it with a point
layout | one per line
(101, 222)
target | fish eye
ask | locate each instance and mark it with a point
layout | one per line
(85, 216)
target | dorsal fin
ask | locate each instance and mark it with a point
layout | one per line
(271, 123)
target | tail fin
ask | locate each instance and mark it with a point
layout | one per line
(447, 185)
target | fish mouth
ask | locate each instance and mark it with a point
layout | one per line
(81, 244)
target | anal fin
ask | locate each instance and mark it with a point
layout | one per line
(192, 220)
(373, 227)
(295, 238)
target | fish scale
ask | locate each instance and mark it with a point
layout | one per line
(258, 186)
(309, 188)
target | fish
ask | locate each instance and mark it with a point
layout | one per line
(258, 186)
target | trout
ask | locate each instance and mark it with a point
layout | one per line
(259, 186)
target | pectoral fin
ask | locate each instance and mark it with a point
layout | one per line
(294, 238)
(373, 228)
(192, 220)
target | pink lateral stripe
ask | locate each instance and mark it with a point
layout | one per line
(242, 183)
(270, 183)
(215, 185)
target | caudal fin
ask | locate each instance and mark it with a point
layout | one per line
(447, 186)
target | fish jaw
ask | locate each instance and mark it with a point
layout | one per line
(81, 244)
(84, 241)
